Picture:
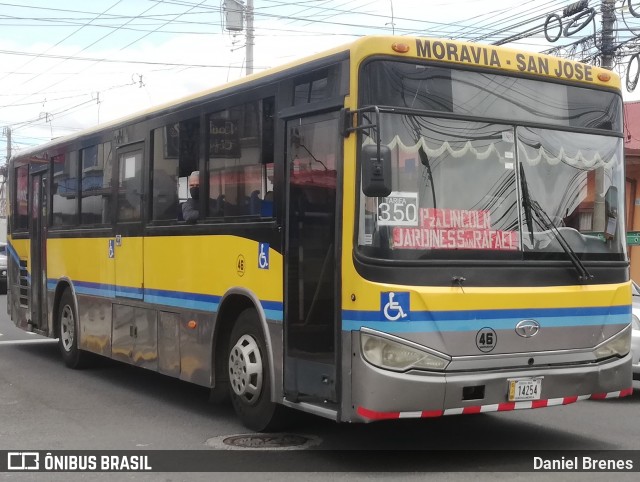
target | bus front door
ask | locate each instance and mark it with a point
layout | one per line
(310, 267)
(38, 234)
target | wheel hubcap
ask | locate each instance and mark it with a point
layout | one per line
(245, 369)
(67, 328)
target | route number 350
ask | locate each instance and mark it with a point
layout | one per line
(398, 209)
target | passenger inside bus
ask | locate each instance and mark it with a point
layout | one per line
(190, 209)
(266, 207)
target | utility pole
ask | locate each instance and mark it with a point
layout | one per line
(608, 20)
(250, 37)
(7, 132)
(608, 50)
(235, 12)
(3, 182)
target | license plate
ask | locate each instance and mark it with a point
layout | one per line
(525, 389)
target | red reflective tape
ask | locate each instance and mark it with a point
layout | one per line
(432, 413)
(476, 409)
(627, 392)
(373, 415)
(502, 407)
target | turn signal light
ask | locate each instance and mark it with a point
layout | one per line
(192, 324)
(400, 47)
(604, 76)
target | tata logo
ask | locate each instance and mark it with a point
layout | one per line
(527, 328)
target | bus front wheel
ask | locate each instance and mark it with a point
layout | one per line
(72, 356)
(249, 376)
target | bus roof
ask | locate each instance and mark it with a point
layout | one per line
(449, 51)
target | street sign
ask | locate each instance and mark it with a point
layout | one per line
(633, 238)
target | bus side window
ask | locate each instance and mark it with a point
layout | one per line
(65, 189)
(240, 160)
(95, 188)
(175, 156)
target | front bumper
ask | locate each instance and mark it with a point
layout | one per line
(381, 394)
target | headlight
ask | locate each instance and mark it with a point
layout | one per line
(618, 345)
(399, 357)
(635, 322)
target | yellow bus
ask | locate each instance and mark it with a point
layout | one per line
(399, 227)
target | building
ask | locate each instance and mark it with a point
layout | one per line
(632, 172)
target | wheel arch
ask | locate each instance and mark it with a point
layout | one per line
(231, 305)
(62, 285)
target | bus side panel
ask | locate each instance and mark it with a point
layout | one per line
(87, 265)
(94, 319)
(189, 276)
(18, 251)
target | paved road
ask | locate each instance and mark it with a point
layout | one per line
(45, 406)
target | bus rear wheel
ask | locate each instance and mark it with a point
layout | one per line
(249, 376)
(67, 320)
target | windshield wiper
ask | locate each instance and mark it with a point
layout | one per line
(424, 160)
(526, 203)
(531, 205)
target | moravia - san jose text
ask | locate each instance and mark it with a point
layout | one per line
(489, 57)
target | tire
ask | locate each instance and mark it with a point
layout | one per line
(249, 376)
(67, 326)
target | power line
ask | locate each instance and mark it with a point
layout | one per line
(60, 41)
(68, 57)
(164, 24)
(115, 61)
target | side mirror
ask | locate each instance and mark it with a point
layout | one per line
(611, 211)
(376, 171)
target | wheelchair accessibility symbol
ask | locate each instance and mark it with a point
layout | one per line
(395, 306)
(263, 256)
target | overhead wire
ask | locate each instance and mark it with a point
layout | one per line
(442, 25)
(66, 58)
(15, 103)
(311, 11)
(65, 38)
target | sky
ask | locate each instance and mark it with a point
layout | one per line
(72, 64)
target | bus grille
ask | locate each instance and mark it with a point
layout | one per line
(24, 284)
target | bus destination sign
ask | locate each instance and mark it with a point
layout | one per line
(487, 56)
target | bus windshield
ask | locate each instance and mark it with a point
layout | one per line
(508, 189)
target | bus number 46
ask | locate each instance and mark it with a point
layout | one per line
(486, 339)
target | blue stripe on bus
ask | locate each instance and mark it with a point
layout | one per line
(496, 319)
(492, 314)
(13, 253)
(179, 299)
(273, 310)
(93, 289)
(16, 259)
